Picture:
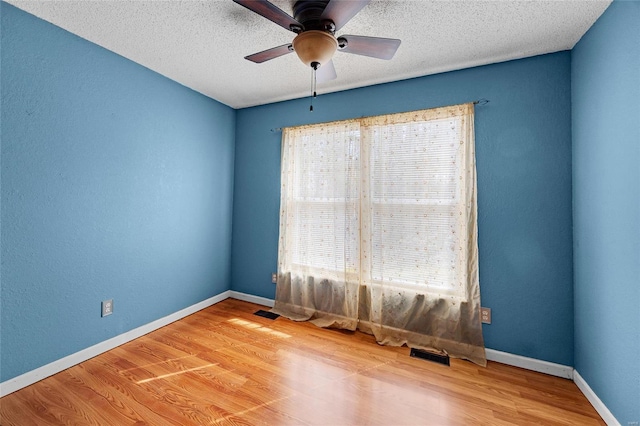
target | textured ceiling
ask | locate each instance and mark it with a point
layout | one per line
(202, 44)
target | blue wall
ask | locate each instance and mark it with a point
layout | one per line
(606, 175)
(116, 183)
(523, 141)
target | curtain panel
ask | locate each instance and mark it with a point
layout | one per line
(378, 229)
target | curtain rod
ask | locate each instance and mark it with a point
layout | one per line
(479, 102)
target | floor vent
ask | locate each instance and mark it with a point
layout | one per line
(430, 356)
(266, 314)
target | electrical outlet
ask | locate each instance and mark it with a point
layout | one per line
(485, 315)
(107, 307)
(274, 278)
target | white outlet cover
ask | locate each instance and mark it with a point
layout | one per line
(107, 307)
(485, 315)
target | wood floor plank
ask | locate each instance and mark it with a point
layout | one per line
(226, 366)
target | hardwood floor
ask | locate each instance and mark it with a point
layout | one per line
(224, 365)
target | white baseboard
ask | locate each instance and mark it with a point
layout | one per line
(532, 364)
(602, 409)
(50, 369)
(251, 298)
(54, 367)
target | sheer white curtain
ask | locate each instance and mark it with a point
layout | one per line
(378, 229)
(319, 247)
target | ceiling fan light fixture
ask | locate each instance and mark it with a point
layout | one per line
(315, 46)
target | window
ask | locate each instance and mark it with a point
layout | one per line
(377, 200)
(323, 200)
(414, 205)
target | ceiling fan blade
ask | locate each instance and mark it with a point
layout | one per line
(375, 47)
(326, 72)
(268, 54)
(341, 11)
(271, 12)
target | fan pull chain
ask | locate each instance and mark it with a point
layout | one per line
(314, 83)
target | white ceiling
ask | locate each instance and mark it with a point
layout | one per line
(202, 44)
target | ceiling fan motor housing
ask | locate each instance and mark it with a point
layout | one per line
(309, 12)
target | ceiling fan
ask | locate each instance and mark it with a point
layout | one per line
(315, 23)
